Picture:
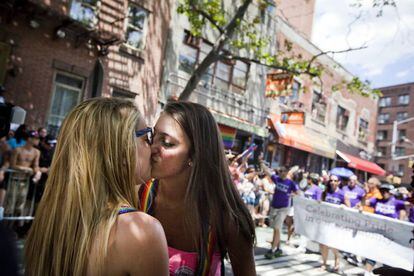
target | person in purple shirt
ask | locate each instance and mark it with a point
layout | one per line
(333, 194)
(388, 206)
(284, 188)
(313, 191)
(411, 215)
(352, 192)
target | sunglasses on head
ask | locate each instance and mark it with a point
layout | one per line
(146, 131)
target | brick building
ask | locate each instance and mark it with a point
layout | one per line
(339, 127)
(396, 105)
(299, 14)
(53, 54)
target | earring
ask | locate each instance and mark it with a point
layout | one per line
(190, 164)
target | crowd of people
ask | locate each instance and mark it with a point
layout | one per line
(25, 158)
(167, 197)
(268, 195)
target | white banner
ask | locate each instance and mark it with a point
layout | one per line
(376, 237)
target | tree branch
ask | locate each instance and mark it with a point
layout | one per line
(215, 52)
(251, 60)
(209, 18)
(332, 52)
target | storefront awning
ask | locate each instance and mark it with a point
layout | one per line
(303, 138)
(361, 164)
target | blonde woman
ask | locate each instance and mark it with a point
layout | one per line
(87, 223)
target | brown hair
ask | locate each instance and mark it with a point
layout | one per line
(210, 191)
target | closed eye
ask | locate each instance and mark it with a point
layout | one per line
(166, 143)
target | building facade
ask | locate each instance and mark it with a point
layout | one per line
(54, 54)
(395, 107)
(233, 91)
(337, 125)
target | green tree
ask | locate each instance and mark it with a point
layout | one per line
(236, 32)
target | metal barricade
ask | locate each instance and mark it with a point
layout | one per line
(17, 206)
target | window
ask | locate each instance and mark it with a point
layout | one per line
(399, 151)
(363, 130)
(226, 76)
(383, 118)
(123, 94)
(382, 135)
(295, 90)
(401, 134)
(404, 99)
(318, 106)
(402, 116)
(136, 26)
(400, 171)
(382, 151)
(342, 117)
(222, 75)
(384, 102)
(85, 11)
(187, 59)
(204, 50)
(67, 92)
(239, 78)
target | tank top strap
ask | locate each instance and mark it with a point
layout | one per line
(125, 209)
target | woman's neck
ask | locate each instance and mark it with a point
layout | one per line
(173, 189)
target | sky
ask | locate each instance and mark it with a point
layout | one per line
(389, 57)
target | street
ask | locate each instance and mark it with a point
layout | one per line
(293, 262)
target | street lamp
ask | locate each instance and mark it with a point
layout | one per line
(395, 138)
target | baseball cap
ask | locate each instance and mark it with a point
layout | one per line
(386, 186)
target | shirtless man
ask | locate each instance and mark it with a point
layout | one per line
(26, 160)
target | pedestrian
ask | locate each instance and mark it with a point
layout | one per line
(193, 196)
(388, 206)
(313, 191)
(19, 137)
(334, 195)
(352, 192)
(87, 221)
(372, 191)
(268, 190)
(281, 204)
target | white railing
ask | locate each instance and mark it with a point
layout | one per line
(17, 206)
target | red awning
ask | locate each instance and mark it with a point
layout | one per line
(361, 164)
(300, 137)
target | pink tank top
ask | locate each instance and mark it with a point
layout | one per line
(184, 263)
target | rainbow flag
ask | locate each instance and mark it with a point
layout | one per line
(228, 134)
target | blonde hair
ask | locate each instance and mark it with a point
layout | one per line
(375, 181)
(91, 176)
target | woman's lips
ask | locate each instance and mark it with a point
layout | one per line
(156, 159)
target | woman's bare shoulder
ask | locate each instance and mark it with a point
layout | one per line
(137, 226)
(142, 241)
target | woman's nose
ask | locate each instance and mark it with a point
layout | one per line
(154, 147)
